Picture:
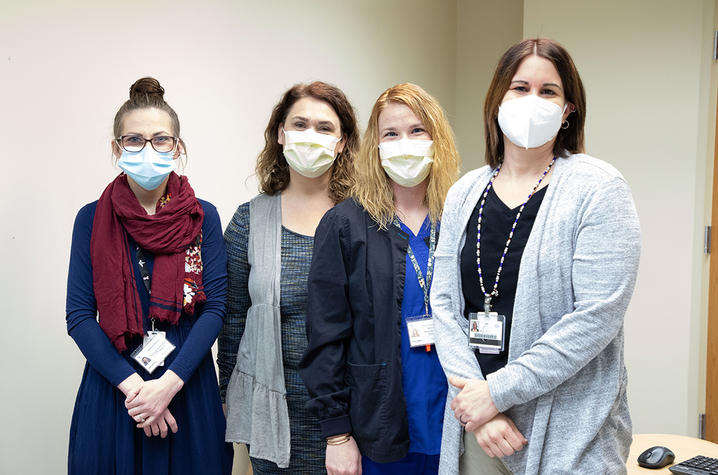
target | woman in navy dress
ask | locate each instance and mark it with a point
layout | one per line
(148, 258)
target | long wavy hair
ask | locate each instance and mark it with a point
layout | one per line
(372, 186)
(272, 168)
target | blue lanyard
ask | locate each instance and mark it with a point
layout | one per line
(425, 285)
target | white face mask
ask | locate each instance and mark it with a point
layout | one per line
(530, 121)
(309, 153)
(407, 161)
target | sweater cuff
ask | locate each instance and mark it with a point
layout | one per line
(121, 374)
(335, 426)
(499, 389)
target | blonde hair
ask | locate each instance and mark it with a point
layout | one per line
(372, 186)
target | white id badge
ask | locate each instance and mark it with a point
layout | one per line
(151, 333)
(486, 333)
(153, 351)
(421, 330)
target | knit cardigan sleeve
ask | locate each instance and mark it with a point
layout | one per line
(605, 263)
(456, 357)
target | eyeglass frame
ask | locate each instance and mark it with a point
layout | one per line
(118, 141)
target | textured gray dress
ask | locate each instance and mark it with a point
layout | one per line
(307, 447)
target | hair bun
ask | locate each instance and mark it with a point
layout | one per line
(146, 87)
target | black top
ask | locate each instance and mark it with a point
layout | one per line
(352, 366)
(496, 224)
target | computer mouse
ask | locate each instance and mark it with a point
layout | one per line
(656, 457)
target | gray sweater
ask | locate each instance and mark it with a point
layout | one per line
(565, 382)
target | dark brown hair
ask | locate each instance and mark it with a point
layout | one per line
(569, 140)
(146, 93)
(272, 168)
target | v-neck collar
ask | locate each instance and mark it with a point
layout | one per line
(424, 229)
(505, 208)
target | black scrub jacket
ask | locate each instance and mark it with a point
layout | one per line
(352, 366)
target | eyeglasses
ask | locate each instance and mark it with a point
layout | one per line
(135, 143)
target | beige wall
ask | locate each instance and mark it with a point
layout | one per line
(484, 30)
(65, 68)
(644, 65)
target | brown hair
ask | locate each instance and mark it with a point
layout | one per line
(146, 93)
(569, 140)
(372, 188)
(272, 168)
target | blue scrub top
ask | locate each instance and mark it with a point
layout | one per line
(424, 382)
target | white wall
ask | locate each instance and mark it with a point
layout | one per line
(645, 64)
(66, 67)
(484, 30)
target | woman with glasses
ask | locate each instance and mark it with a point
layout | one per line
(534, 271)
(372, 371)
(148, 259)
(303, 170)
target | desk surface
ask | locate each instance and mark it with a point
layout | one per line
(683, 446)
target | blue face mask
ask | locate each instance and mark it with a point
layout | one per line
(148, 168)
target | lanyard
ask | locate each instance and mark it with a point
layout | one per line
(425, 285)
(142, 264)
(495, 292)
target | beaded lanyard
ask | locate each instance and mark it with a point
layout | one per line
(495, 292)
(425, 285)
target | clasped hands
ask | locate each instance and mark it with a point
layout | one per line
(147, 401)
(473, 407)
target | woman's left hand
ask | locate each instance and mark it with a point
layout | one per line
(153, 397)
(473, 405)
(159, 425)
(499, 437)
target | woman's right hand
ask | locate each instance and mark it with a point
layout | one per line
(159, 425)
(499, 437)
(344, 459)
(131, 384)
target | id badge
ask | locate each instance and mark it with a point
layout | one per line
(150, 333)
(421, 330)
(153, 351)
(486, 333)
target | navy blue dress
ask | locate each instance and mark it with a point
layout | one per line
(103, 437)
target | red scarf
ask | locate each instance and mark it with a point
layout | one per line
(172, 234)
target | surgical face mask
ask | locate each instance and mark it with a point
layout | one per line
(530, 121)
(148, 168)
(407, 161)
(309, 153)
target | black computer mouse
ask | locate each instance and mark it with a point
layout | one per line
(656, 457)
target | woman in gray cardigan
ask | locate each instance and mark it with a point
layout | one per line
(530, 294)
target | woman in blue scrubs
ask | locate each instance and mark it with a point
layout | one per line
(372, 371)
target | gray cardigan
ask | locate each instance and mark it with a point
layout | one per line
(565, 382)
(257, 413)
